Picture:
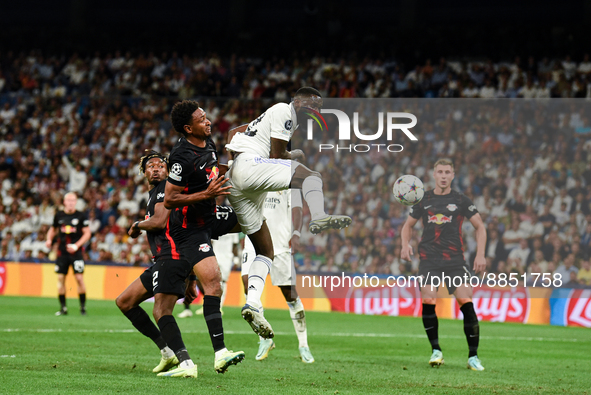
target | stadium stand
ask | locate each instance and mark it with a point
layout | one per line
(80, 124)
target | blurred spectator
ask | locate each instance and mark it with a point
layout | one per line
(566, 268)
(584, 275)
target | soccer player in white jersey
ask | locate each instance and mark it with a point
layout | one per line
(262, 164)
(282, 209)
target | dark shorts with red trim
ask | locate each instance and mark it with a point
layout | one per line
(197, 245)
(451, 273)
(167, 276)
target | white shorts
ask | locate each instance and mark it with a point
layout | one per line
(225, 263)
(281, 269)
(251, 177)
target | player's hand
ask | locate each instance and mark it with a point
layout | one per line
(191, 291)
(48, 244)
(479, 264)
(134, 232)
(406, 252)
(216, 187)
(298, 154)
(71, 248)
(294, 244)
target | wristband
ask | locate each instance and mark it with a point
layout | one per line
(296, 233)
(192, 277)
(135, 225)
(74, 246)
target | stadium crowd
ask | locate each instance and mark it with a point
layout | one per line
(184, 76)
(82, 124)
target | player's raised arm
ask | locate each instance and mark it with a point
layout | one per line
(176, 198)
(480, 260)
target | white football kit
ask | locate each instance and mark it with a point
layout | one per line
(277, 211)
(253, 173)
(223, 248)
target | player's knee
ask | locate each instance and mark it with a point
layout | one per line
(157, 313)
(214, 288)
(463, 301)
(429, 300)
(123, 303)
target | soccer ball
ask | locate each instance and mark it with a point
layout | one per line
(408, 190)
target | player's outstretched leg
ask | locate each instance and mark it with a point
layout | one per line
(472, 332)
(431, 325)
(310, 183)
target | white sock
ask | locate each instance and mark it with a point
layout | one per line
(223, 297)
(312, 192)
(220, 352)
(167, 352)
(186, 364)
(257, 275)
(298, 316)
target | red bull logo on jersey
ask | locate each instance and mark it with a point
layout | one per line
(68, 229)
(439, 219)
(214, 172)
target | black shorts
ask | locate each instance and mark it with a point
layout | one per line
(446, 272)
(167, 276)
(64, 261)
(225, 220)
(198, 246)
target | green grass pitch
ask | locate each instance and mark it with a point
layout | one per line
(102, 354)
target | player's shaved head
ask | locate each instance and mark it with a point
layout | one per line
(307, 91)
(308, 97)
(182, 113)
(70, 200)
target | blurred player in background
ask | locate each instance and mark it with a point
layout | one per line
(71, 228)
(150, 282)
(195, 180)
(283, 211)
(441, 252)
(262, 164)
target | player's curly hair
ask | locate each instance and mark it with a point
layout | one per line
(150, 154)
(181, 114)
